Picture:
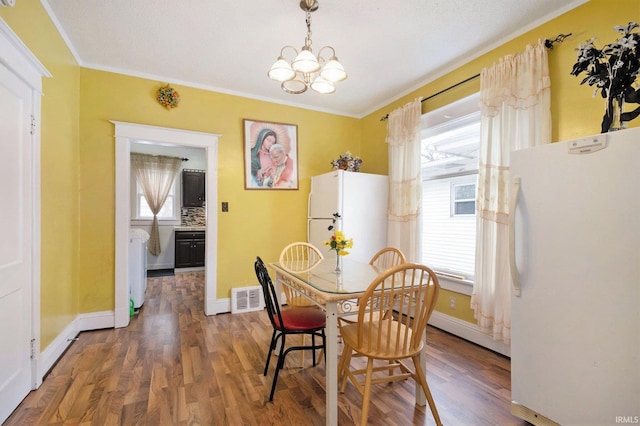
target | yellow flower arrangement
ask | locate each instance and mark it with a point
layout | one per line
(339, 243)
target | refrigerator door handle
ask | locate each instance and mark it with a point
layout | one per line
(515, 276)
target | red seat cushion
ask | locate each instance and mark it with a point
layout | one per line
(300, 319)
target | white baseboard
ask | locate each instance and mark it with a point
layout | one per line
(220, 306)
(82, 322)
(195, 269)
(56, 348)
(96, 320)
(155, 266)
(468, 331)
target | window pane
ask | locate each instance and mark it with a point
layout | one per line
(465, 192)
(465, 207)
(145, 211)
(166, 212)
(448, 242)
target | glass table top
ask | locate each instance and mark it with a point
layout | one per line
(355, 276)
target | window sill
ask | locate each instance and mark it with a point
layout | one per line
(161, 222)
(455, 284)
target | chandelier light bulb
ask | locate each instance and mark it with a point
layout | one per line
(305, 62)
(281, 70)
(323, 86)
(333, 71)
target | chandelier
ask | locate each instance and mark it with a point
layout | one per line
(307, 70)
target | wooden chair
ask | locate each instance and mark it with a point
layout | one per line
(410, 292)
(387, 257)
(384, 259)
(296, 321)
(299, 257)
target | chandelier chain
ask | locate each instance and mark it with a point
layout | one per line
(307, 40)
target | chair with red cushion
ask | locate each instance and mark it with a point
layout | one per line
(298, 321)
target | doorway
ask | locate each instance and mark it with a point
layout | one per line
(125, 135)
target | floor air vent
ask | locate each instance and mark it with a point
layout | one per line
(246, 299)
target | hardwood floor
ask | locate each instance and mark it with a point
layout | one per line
(175, 366)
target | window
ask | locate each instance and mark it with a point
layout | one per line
(449, 173)
(463, 199)
(169, 210)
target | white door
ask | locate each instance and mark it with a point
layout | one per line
(16, 228)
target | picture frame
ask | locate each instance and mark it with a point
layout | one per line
(270, 155)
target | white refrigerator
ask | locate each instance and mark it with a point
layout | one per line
(361, 201)
(575, 263)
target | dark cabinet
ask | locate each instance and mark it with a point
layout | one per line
(189, 249)
(193, 188)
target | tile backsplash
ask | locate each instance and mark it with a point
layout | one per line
(193, 216)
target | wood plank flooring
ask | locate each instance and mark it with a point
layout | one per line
(175, 366)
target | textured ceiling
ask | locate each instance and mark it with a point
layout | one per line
(388, 48)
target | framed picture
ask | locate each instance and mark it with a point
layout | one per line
(270, 155)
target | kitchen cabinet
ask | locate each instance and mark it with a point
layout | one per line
(193, 188)
(189, 247)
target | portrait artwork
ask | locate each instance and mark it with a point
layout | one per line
(270, 155)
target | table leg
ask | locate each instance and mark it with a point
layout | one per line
(278, 287)
(332, 364)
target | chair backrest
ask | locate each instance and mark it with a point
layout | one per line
(387, 258)
(269, 291)
(300, 257)
(400, 301)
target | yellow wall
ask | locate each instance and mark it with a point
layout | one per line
(258, 222)
(78, 153)
(59, 159)
(461, 308)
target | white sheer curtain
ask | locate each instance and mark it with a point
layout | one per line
(515, 114)
(155, 174)
(405, 179)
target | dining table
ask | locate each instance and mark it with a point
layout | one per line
(336, 293)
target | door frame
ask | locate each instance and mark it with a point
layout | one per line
(125, 134)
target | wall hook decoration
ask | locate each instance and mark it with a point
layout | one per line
(168, 97)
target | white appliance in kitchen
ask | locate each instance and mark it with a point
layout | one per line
(575, 234)
(138, 247)
(361, 200)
